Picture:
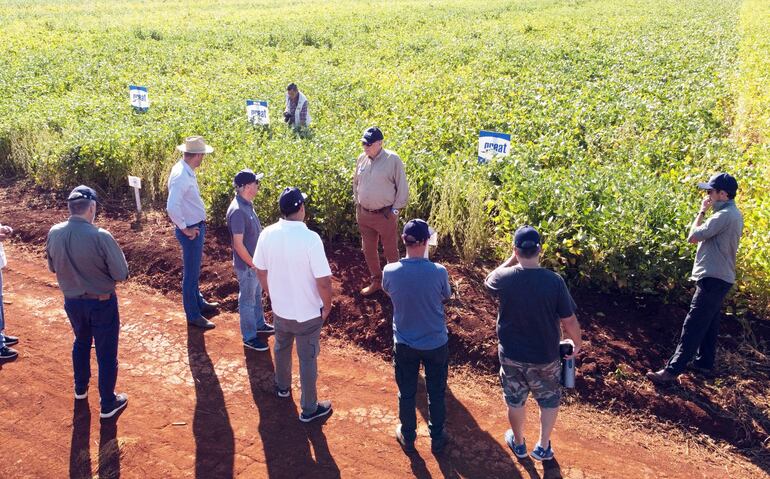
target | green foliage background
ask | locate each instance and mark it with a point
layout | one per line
(616, 108)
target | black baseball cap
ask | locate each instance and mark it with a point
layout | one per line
(417, 231)
(722, 182)
(526, 237)
(83, 192)
(371, 135)
(291, 199)
(245, 177)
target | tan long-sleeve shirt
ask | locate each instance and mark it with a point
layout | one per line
(380, 182)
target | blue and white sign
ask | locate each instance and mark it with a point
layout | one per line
(492, 144)
(257, 112)
(139, 99)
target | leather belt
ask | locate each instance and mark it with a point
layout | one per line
(100, 297)
(373, 211)
(200, 223)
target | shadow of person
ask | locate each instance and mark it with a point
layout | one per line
(80, 456)
(286, 440)
(214, 438)
(472, 451)
(109, 450)
(551, 469)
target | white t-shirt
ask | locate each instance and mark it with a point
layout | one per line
(293, 257)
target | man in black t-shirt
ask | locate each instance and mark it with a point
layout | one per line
(534, 303)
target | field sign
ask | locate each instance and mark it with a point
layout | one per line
(136, 183)
(492, 144)
(139, 99)
(257, 112)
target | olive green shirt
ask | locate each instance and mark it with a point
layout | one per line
(380, 181)
(86, 259)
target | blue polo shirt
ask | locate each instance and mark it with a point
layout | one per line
(418, 288)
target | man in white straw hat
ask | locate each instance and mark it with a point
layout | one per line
(186, 210)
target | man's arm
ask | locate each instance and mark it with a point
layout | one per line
(402, 185)
(571, 328)
(489, 281)
(241, 250)
(114, 257)
(51, 267)
(262, 275)
(355, 183)
(324, 286)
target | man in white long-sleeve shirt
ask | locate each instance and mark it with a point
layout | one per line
(187, 212)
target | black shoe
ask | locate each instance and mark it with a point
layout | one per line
(283, 393)
(707, 373)
(121, 401)
(202, 322)
(10, 340)
(256, 344)
(8, 353)
(437, 444)
(407, 446)
(81, 394)
(323, 408)
(266, 329)
(208, 308)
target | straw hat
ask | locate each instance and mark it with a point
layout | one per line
(194, 144)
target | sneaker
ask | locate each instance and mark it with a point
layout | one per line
(8, 353)
(540, 454)
(371, 289)
(121, 401)
(323, 408)
(202, 322)
(266, 329)
(437, 444)
(10, 340)
(661, 377)
(407, 446)
(256, 344)
(81, 394)
(282, 393)
(520, 450)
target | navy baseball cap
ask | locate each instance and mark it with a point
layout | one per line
(722, 182)
(371, 135)
(245, 177)
(291, 199)
(417, 231)
(526, 237)
(83, 192)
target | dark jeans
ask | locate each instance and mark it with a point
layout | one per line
(97, 320)
(192, 255)
(701, 327)
(407, 364)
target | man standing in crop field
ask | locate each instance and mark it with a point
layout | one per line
(293, 270)
(534, 302)
(418, 288)
(714, 273)
(186, 210)
(296, 113)
(380, 191)
(88, 262)
(244, 227)
(6, 352)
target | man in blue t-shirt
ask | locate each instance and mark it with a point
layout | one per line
(418, 288)
(534, 302)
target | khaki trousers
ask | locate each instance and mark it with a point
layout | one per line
(307, 335)
(376, 227)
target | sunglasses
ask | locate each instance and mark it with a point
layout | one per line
(363, 143)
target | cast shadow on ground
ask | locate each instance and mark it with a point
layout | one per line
(80, 456)
(286, 441)
(109, 450)
(214, 438)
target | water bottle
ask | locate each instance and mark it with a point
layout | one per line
(567, 365)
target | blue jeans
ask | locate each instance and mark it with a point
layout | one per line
(407, 364)
(97, 320)
(192, 255)
(250, 303)
(2, 313)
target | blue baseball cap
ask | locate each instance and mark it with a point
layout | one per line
(371, 135)
(526, 237)
(417, 231)
(82, 192)
(722, 182)
(245, 177)
(291, 200)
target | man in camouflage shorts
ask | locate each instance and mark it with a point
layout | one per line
(534, 302)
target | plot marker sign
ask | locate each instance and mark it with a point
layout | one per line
(136, 183)
(139, 99)
(257, 112)
(493, 144)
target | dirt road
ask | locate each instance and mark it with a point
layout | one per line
(201, 406)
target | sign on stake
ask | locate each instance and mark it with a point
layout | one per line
(492, 144)
(257, 112)
(136, 183)
(139, 99)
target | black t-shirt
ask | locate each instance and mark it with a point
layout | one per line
(532, 303)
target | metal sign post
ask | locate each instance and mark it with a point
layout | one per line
(136, 183)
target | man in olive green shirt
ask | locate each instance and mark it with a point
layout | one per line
(380, 191)
(88, 262)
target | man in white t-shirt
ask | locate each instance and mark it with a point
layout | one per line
(294, 272)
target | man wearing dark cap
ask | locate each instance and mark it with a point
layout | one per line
(534, 303)
(380, 191)
(88, 262)
(418, 288)
(714, 273)
(244, 227)
(187, 212)
(293, 270)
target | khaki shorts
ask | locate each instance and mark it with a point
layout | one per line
(518, 379)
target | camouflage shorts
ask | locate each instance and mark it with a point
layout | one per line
(518, 379)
